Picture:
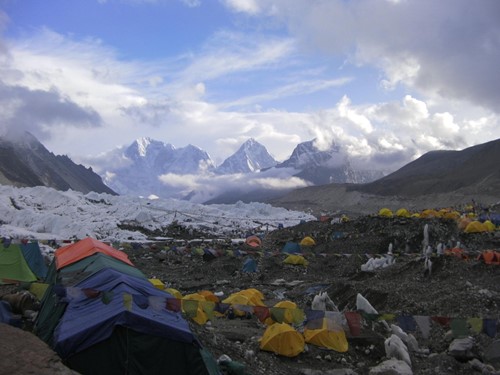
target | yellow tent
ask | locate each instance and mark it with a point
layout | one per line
(402, 212)
(489, 226)
(476, 227)
(429, 213)
(192, 306)
(385, 212)
(307, 241)
(452, 215)
(255, 296)
(174, 292)
(296, 259)
(242, 299)
(330, 335)
(287, 309)
(282, 339)
(209, 296)
(157, 283)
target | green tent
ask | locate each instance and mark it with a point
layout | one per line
(13, 266)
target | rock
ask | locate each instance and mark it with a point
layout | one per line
(391, 367)
(396, 348)
(461, 349)
(492, 354)
(328, 372)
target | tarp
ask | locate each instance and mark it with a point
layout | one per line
(88, 321)
(282, 339)
(291, 248)
(13, 266)
(84, 248)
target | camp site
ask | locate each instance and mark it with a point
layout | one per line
(415, 292)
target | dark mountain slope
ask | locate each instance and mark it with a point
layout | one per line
(24, 161)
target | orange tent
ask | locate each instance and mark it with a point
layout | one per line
(73, 253)
(458, 252)
(253, 241)
(490, 257)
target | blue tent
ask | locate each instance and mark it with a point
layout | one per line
(33, 256)
(125, 328)
(291, 248)
(249, 265)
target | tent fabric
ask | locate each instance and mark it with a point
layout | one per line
(52, 307)
(88, 321)
(80, 270)
(296, 260)
(249, 265)
(13, 266)
(385, 212)
(403, 212)
(82, 249)
(307, 241)
(132, 353)
(33, 256)
(253, 241)
(475, 227)
(287, 307)
(330, 336)
(490, 257)
(291, 248)
(282, 339)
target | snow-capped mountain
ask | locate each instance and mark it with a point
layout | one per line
(250, 157)
(319, 166)
(146, 160)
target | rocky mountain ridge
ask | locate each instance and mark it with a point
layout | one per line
(25, 162)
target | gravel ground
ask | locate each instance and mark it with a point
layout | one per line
(456, 288)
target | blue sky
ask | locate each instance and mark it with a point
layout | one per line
(386, 80)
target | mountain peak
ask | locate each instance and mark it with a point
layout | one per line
(250, 157)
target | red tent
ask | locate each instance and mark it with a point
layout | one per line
(73, 253)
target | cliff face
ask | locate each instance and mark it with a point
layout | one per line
(25, 162)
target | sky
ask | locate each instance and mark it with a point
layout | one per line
(385, 80)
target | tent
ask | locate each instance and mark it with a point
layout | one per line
(296, 260)
(192, 307)
(328, 335)
(475, 227)
(34, 258)
(249, 265)
(490, 257)
(402, 212)
(128, 333)
(385, 212)
(291, 248)
(282, 339)
(13, 265)
(307, 241)
(82, 249)
(253, 241)
(286, 312)
(110, 319)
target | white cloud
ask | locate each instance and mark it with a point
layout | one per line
(245, 6)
